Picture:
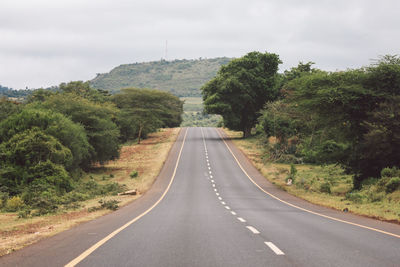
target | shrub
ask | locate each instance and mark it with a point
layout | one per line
(3, 199)
(14, 204)
(392, 185)
(134, 174)
(369, 182)
(94, 189)
(73, 197)
(45, 203)
(25, 213)
(105, 204)
(354, 197)
(374, 196)
(390, 172)
(325, 188)
(109, 204)
(292, 174)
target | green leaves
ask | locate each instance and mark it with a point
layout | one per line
(68, 133)
(143, 111)
(34, 157)
(241, 88)
(97, 120)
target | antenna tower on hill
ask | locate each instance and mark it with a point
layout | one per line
(166, 50)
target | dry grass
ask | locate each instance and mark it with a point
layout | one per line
(146, 158)
(309, 179)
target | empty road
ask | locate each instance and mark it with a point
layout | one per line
(217, 211)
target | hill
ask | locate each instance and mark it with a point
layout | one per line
(181, 77)
(14, 94)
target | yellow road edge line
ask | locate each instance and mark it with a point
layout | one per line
(300, 208)
(104, 240)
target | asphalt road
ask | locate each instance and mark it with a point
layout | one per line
(214, 215)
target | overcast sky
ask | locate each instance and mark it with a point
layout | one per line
(46, 42)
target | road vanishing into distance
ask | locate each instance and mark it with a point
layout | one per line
(210, 207)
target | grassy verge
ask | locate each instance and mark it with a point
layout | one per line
(145, 159)
(326, 185)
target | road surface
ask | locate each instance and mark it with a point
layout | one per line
(212, 214)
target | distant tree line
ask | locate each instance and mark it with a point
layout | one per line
(48, 142)
(9, 92)
(351, 117)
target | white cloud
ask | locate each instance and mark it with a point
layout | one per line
(45, 42)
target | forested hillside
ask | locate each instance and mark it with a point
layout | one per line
(180, 77)
(9, 92)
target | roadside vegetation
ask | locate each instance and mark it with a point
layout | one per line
(51, 144)
(340, 130)
(328, 185)
(96, 195)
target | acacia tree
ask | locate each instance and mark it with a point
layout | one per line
(144, 111)
(241, 88)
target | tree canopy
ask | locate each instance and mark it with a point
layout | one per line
(145, 110)
(347, 117)
(241, 88)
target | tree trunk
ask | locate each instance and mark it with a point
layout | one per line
(246, 132)
(140, 133)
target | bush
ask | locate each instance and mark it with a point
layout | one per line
(375, 196)
(14, 204)
(134, 174)
(325, 188)
(105, 204)
(94, 189)
(354, 197)
(292, 174)
(73, 197)
(392, 185)
(25, 213)
(45, 203)
(109, 204)
(369, 182)
(3, 199)
(390, 172)
(49, 123)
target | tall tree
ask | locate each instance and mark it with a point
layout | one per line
(241, 88)
(144, 111)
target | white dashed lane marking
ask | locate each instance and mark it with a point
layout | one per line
(274, 248)
(241, 219)
(252, 229)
